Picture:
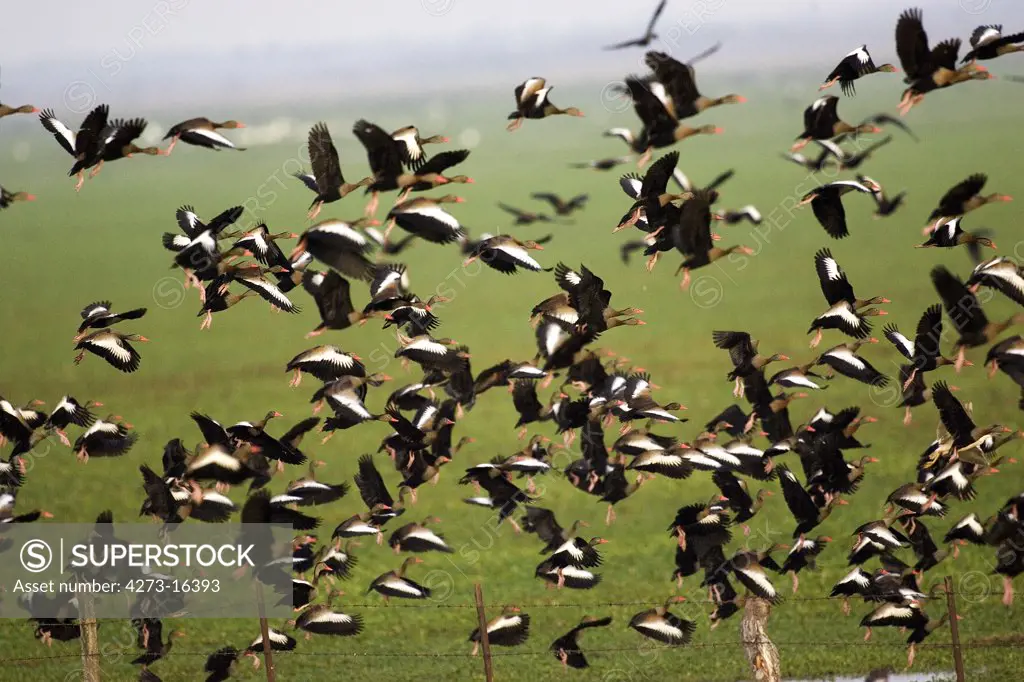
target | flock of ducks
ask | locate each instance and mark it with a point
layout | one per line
(227, 264)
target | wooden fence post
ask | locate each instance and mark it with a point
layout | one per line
(268, 655)
(761, 652)
(89, 638)
(954, 631)
(485, 645)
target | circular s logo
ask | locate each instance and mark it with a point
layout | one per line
(36, 556)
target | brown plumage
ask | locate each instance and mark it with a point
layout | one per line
(822, 122)
(965, 312)
(692, 235)
(532, 102)
(964, 197)
(384, 155)
(333, 298)
(988, 42)
(681, 87)
(927, 68)
(202, 132)
(121, 145)
(6, 110)
(744, 355)
(326, 179)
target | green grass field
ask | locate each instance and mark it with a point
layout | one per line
(66, 250)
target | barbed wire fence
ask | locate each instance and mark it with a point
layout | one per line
(90, 659)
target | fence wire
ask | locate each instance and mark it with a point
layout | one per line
(177, 653)
(646, 644)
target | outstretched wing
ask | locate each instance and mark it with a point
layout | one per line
(543, 523)
(961, 305)
(741, 348)
(834, 284)
(904, 345)
(382, 152)
(442, 161)
(323, 158)
(654, 19)
(64, 135)
(912, 45)
(371, 484)
(929, 332)
(125, 131)
(952, 413)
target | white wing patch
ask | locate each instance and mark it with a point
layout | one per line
(213, 136)
(520, 256)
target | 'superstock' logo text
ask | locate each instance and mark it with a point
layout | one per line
(160, 556)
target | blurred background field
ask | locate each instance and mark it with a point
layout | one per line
(66, 250)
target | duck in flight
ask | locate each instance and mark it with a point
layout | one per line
(648, 36)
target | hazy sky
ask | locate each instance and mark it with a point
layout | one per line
(407, 25)
(263, 48)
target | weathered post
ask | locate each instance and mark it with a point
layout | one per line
(954, 631)
(90, 638)
(761, 652)
(485, 645)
